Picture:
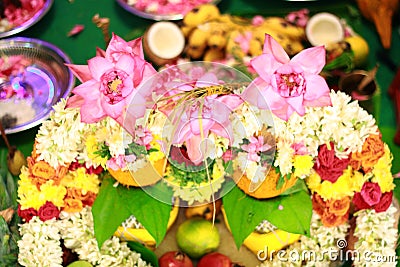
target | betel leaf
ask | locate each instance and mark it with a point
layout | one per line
(244, 213)
(108, 211)
(293, 213)
(113, 205)
(151, 207)
(145, 254)
(300, 185)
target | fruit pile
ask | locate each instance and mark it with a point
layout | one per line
(213, 36)
(198, 240)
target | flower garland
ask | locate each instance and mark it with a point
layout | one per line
(376, 235)
(76, 231)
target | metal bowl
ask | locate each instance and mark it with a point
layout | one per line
(45, 81)
(46, 7)
(153, 16)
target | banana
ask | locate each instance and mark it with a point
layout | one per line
(268, 243)
(198, 38)
(261, 244)
(213, 54)
(291, 46)
(142, 235)
(280, 25)
(202, 14)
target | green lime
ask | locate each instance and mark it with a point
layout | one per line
(197, 237)
(80, 264)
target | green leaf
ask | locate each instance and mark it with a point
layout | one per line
(244, 213)
(12, 190)
(145, 253)
(152, 213)
(300, 185)
(5, 199)
(294, 213)
(281, 182)
(113, 205)
(108, 211)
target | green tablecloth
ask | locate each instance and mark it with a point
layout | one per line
(64, 15)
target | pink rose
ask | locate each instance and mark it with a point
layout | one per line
(26, 214)
(328, 166)
(384, 203)
(371, 193)
(48, 211)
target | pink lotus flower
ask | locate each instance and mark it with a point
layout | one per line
(286, 86)
(110, 83)
(196, 118)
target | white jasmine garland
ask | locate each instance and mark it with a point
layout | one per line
(377, 238)
(344, 123)
(40, 244)
(78, 233)
(61, 137)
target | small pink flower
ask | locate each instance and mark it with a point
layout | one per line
(144, 137)
(244, 41)
(227, 156)
(299, 18)
(120, 161)
(255, 146)
(299, 149)
(286, 86)
(257, 20)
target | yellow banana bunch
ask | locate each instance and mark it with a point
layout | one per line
(212, 36)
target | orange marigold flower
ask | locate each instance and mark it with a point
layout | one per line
(87, 198)
(339, 207)
(373, 149)
(319, 205)
(72, 205)
(330, 219)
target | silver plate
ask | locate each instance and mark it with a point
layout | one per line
(45, 80)
(46, 7)
(152, 16)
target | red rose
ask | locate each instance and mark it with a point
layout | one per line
(328, 166)
(371, 193)
(385, 202)
(48, 211)
(359, 202)
(26, 214)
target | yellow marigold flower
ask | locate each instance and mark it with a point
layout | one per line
(80, 179)
(218, 170)
(92, 147)
(28, 194)
(52, 193)
(344, 185)
(155, 142)
(302, 165)
(313, 181)
(155, 155)
(382, 171)
(357, 181)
